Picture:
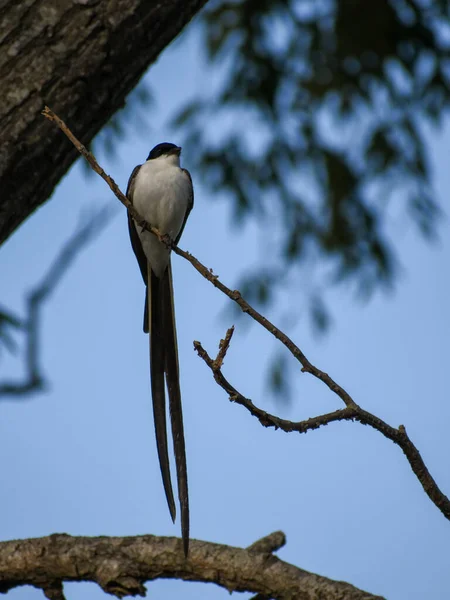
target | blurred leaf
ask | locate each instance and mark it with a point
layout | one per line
(278, 378)
(187, 113)
(321, 102)
(258, 288)
(320, 316)
(132, 116)
(8, 322)
(425, 210)
(339, 88)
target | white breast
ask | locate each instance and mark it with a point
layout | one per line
(161, 195)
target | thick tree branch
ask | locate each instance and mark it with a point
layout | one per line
(120, 566)
(352, 410)
(83, 57)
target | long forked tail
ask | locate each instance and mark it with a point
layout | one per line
(173, 388)
(154, 305)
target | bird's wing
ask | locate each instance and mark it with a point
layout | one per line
(134, 237)
(158, 352)
(189, 207)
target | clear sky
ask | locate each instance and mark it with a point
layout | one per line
(80, 458)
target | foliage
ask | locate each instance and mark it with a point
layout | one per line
(334, 93)
(316, 131)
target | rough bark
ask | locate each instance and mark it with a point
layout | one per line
(121, 565)
(80, 57)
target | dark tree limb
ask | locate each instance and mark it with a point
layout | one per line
(83, 57)
(352, 410)
(30, 326)
(120, 566)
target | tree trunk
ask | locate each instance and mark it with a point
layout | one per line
(81, 58)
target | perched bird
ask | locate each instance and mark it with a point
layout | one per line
(163, 195)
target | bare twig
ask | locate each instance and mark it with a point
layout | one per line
(49, 114)
(31, 325)
(269, 543)
(265, 418)
(223, 348)
(352, 410)
(121, 566)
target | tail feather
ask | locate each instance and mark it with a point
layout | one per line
(176, 412)
(146, 310)
(157, 367)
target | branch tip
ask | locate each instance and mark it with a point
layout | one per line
(269, 543)
(223, 348)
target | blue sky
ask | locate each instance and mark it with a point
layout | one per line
(80, 458)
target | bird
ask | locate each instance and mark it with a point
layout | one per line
(162, 193)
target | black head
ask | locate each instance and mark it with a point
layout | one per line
(164, 148)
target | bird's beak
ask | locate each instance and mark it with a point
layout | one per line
(176, 151)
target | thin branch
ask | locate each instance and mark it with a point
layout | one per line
(234, 295)
(120, 566)
(49, 114)
(266, 419)
(31, 325)
(352, 410)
